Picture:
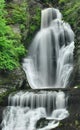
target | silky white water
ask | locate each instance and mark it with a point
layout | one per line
(26, 108)
(49, 64)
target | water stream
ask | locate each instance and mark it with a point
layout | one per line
(49, 64)
(26, 108)
(50, 59)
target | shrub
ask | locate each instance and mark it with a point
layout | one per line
(11, 49)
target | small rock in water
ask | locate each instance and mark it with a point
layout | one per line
(42, 123)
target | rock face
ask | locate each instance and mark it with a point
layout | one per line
(13, 79)
(77, 59)
(42, 123)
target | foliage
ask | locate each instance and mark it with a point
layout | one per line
(46, 1)
(10, 48)
(17, 13)
(62, 1)
(34, 23)
(70, 11)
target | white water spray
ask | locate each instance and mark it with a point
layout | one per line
(50, 60)
(25, 109)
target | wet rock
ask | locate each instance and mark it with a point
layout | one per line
(13, 79)
(42, 123)
(1, 113)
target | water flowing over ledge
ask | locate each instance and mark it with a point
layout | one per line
(50, 60)
(25, 109)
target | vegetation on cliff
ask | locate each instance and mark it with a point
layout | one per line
(18, 25)
(70, 10)
(11, 50)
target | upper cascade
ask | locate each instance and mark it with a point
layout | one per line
(48, 15)
(50, 60)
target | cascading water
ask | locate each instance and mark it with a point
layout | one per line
(25, 109)
(49, 65)
(50, 59)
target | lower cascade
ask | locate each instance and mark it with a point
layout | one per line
(49, 64)
(26, 108)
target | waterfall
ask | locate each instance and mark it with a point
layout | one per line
(49, 64)
(26, 108)
(50, 60)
